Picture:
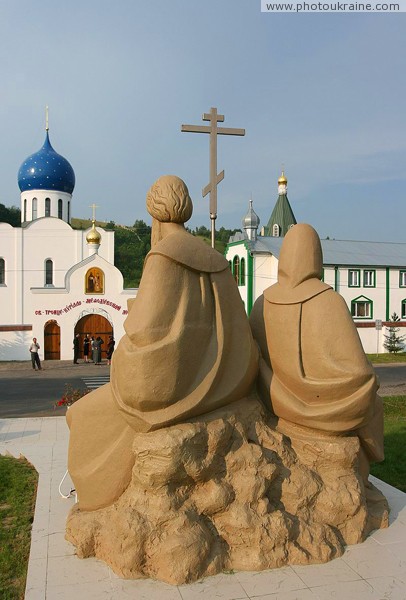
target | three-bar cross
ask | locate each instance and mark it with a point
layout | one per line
(215, 178)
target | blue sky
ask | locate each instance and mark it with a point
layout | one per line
(323, 94)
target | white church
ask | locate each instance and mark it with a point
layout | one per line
(371, 276)
(55, 281)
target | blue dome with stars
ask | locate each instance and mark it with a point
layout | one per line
(46, 170)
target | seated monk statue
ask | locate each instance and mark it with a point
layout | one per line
(313, 370)
(187, 350)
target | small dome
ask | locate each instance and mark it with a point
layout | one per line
(282, 179)
(251, 219)
(93, 237)
(46, 170)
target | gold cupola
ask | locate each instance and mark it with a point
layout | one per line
(93, 237)
(282, 179)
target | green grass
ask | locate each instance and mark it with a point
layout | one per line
(18, 490)
(400, 357)
(393, 468)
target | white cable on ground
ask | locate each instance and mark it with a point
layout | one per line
(71, 492)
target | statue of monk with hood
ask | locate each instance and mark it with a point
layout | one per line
(187, 350)
(313, 370)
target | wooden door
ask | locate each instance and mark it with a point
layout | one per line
(52, 341)
(93, 325)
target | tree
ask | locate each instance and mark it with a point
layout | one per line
(394, 342)
(10, 215)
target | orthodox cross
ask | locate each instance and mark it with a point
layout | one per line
(215, 178)
(46, 119)
(93, 207)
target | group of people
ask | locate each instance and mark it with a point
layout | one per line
(92, 349)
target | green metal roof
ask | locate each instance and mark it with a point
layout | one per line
(282, 215)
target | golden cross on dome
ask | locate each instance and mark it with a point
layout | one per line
(93, 207)
(46, 119)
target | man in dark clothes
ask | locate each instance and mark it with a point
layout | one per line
(76, 349)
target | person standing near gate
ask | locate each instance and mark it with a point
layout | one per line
(34, 354)
(110, 349)
(76, 348)
(86, 347)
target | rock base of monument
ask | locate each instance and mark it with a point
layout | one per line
(228, 491)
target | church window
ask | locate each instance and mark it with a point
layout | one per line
(25, 210)
(2, 271)
(59, 209)
(47, 207)
(403, 312)
(369, 278)
(94, 281)
(354, 278)
(34, 208)
(242, 272)
(68, 211)
(361, 308)
(236, 268)
(402, 278)
(276, 230)
(49, 272)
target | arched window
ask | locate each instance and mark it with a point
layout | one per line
(242, 271)
(47, 207)
(25, 210)
(60, 209)
(276, 230)
(49, 272)
(236, 268)
(2, 271)
(34, 208)
(68, 211)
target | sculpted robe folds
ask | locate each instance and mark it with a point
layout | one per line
(313, 371)
(188, 350)
(188, 347)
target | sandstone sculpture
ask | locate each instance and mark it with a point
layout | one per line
(181, 470)
(313, 371)
(188, 350)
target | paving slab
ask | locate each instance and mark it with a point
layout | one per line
(374, 570)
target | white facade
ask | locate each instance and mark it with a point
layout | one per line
(55, 281)
(370, 276)
(29, 302)
(45, 203)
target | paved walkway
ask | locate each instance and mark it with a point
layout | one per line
(374, 570)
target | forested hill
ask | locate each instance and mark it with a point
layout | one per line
(10, 215)
(132, 244)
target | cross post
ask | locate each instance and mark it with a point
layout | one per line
(213, 130)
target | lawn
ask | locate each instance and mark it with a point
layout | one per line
(388, 357)
(393, 468)
(18, 489)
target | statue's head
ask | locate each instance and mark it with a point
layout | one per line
(301, 256)
(168, 200)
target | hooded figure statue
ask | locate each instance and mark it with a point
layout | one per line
(313, 370)
(187, 350)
